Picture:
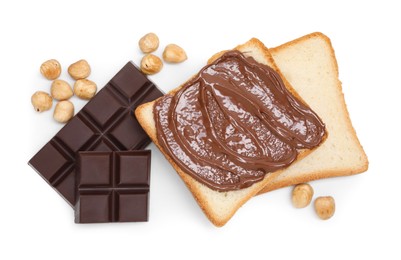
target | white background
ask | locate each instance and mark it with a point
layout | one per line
(35, 223)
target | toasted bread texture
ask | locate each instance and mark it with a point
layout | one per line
(219, 207)
(310, 65)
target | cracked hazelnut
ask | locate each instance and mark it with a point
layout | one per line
(151, 64)
(50, 69)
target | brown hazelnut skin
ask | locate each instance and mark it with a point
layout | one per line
(41, 101)
(79, 70)
(325, 207)
(50, 69)
(302, 195)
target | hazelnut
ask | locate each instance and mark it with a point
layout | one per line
(302, 195)
(61, 90)
(151, 64)
(85, 88)
(174, 54)
(325, 207)
(50, 69)
(79, 70)
(149, 43)
(64, 111)
(41, 101)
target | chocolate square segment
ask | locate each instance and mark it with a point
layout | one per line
(133, 207)
(104, 108)
(126, 82)
(95, 169)
(112, 186)
(124, 164)
(76, 134)
(119, 133)
(50, 161)
(105, 123)
(94, 208)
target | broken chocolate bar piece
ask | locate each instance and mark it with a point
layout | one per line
(105, 123)
(112, 186)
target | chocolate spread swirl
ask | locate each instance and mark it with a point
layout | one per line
(233, 123)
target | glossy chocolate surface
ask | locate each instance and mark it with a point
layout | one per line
(234, 122)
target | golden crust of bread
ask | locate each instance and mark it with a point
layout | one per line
(218, 207)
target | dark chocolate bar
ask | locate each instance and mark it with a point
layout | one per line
(112, 186)
(106, 123)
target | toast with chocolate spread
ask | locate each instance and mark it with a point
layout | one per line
(310, 65)
(232, 128)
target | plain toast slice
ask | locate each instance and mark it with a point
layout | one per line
(310, 65)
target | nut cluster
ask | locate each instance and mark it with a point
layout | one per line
(152, 64)
(302, 196)
(61, 90)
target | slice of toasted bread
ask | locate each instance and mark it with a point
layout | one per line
(219, 207)
(310, 65)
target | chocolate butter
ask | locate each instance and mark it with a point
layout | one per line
(233, 123)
